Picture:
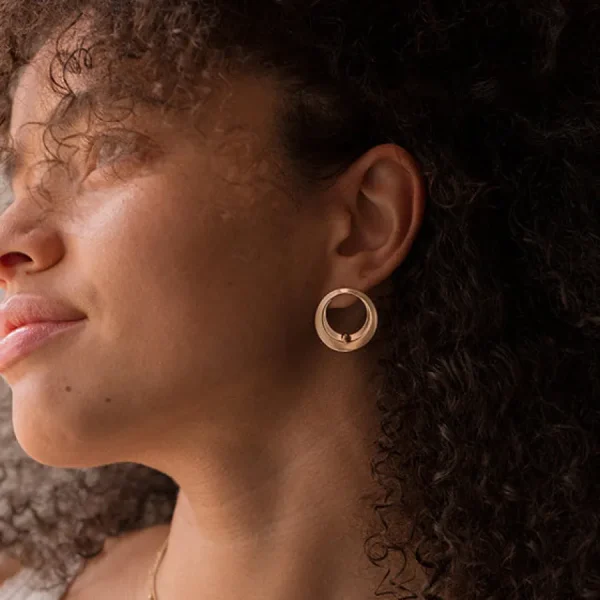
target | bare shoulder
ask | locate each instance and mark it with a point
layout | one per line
(9, 567)
(119, 567)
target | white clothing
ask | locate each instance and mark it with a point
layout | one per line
(17, 588)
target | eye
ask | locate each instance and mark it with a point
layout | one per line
(107, 150)
(106, 153)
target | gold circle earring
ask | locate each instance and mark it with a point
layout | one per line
(346, 342)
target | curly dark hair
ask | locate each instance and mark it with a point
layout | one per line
(490, 404)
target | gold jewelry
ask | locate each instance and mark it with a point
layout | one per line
(345, 342)
(159, 558)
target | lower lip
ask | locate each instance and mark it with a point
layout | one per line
(24, 340)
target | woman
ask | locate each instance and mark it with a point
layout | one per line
(330, 268)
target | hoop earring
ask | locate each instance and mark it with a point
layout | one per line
(346, 342)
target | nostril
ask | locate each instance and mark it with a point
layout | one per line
(11, 259)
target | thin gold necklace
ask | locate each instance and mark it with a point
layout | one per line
(159, 558)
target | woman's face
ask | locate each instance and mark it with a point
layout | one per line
(198, 279)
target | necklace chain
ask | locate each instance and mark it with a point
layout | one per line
(159, 558)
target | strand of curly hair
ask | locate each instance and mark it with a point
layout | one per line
(490, 405)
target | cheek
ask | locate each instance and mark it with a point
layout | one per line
(183, 279)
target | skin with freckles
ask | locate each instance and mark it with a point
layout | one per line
(199, 278)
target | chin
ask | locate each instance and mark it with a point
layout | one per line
(54, 437)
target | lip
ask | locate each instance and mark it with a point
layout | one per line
(24, 340)
(23, 309)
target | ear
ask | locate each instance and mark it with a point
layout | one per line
(377, 209)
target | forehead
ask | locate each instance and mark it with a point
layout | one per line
(34, 98)
(227, 105)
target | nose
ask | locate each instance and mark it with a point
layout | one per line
(28, 242)
(12, 258)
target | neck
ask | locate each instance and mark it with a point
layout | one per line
(282, 512)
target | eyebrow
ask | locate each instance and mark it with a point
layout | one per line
(15, 163)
